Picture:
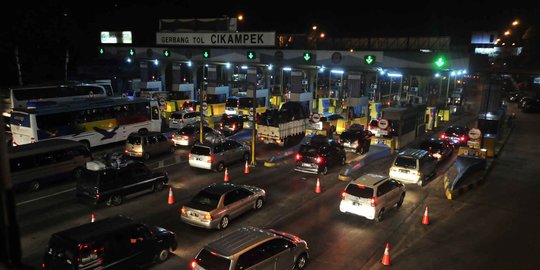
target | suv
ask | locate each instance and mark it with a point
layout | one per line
(253, 248)
(356, 139)
(214, 206)
(117, 242)
(437, 148)
(456, 135)
(145, 144)
(413, 166)
(182, 118)
(189, 135)
(111, 181)
(232, 123)
(217, 156)
(318, 154)
(371, 196)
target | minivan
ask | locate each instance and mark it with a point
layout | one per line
(117, 242)
(182, 118)
(253, 248)
(217, 156)
(145, 144)
(371, 195)
(413, 166)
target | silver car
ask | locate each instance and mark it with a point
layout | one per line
(217, 156)
(214, 206)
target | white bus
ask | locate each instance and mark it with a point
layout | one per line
(95, 122)
(50, 94)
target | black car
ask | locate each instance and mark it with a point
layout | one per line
(438, 148)
(318, 154)
(117, 242)
(457, 135)
(232, 123)
(530, 105)
(111, 181)
(356, 139)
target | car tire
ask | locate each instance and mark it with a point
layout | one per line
(301, 262)
(163, 255)
(172, 149)
(220, 167)
(158, 186)
(34, 185)
(380, 215)
(77, 173)
(224, 223)
(401, 199)
(246, 157)
(259, 203)
(324, 170)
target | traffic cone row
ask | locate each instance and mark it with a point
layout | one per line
(425, 218)
(318, 186)
(226, 178)
(171, 196)
(386, 257)
(246, 168)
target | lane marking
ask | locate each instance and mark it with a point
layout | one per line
(44, 197)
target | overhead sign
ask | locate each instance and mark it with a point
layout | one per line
(474, 133)
(241, 39)
(383, 124)
(315, 117)
(115, 37)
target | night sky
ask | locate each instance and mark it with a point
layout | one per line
(44, 29)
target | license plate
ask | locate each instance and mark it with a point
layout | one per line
(132, 154)
(306, 165)
(403, 171)
(356, 204)
(175, 122)
(193, 214)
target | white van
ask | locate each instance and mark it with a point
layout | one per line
(413, 166)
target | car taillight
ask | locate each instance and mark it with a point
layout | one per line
(356, 143)
(97, 195)
(373, 201)
(298, 157)
(173, 136)
(343, 194)
(319, 160)
(462, 138)
(207, 216)
(193, 264)
(443, 136)
(339, 140)
(234, 126)
(183, 210)
(210, 159)
(190, 155)
(43, 265)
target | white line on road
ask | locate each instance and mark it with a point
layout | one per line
(44, 197)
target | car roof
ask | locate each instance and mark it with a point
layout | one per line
(414, 153)
(239, 240)
(220, 188)
(369, 179)
(91, 231)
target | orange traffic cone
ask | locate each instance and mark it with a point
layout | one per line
(425, 219)
(386, 256)
(246, 168)
(171, 196)
(226, 178)
(93, 218)
(318, 186)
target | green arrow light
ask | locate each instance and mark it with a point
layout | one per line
(131, 52)
(369, 59)
(307, 56)
(440, 62)
(206, 54)
(166, 53)
(101, 51)
(251, 55)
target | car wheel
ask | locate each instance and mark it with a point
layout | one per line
(324, 170)
(172, 149)
(259, 203)
(158, 186)
(380, 215)
(224, 223)
(401, 199)
(115, 200)
(300, 262)
(220, 167)
(146, 156)
(163, 255)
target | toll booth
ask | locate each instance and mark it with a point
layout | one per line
(431, 118)
(216, 98)
(490, 125)
(405, 122)
(327, 105)
(375, 110)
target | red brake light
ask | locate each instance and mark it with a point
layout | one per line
(234, 126)
(298, 157)
(190, 155)
(319, 160)
(173, 136)
(443, 136)
(343, 194)
(210, 159)
(462, 138)
(97, 195)
(193, 264)
(373, 201)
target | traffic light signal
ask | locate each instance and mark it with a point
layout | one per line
(131, 52)
(166, 53)
(206, 54)
(251, 55)
(101, 51)
(369, 59)
(307, 56)
(440, 62)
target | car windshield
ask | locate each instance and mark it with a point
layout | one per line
(206, 198)
(455, 130)
(200, 150)
(134, 140)
(176, 116)
(309, 150)
(187, 130)
(406, 162)
(350, 135)
(360, 191)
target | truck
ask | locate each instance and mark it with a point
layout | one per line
(279, 126)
